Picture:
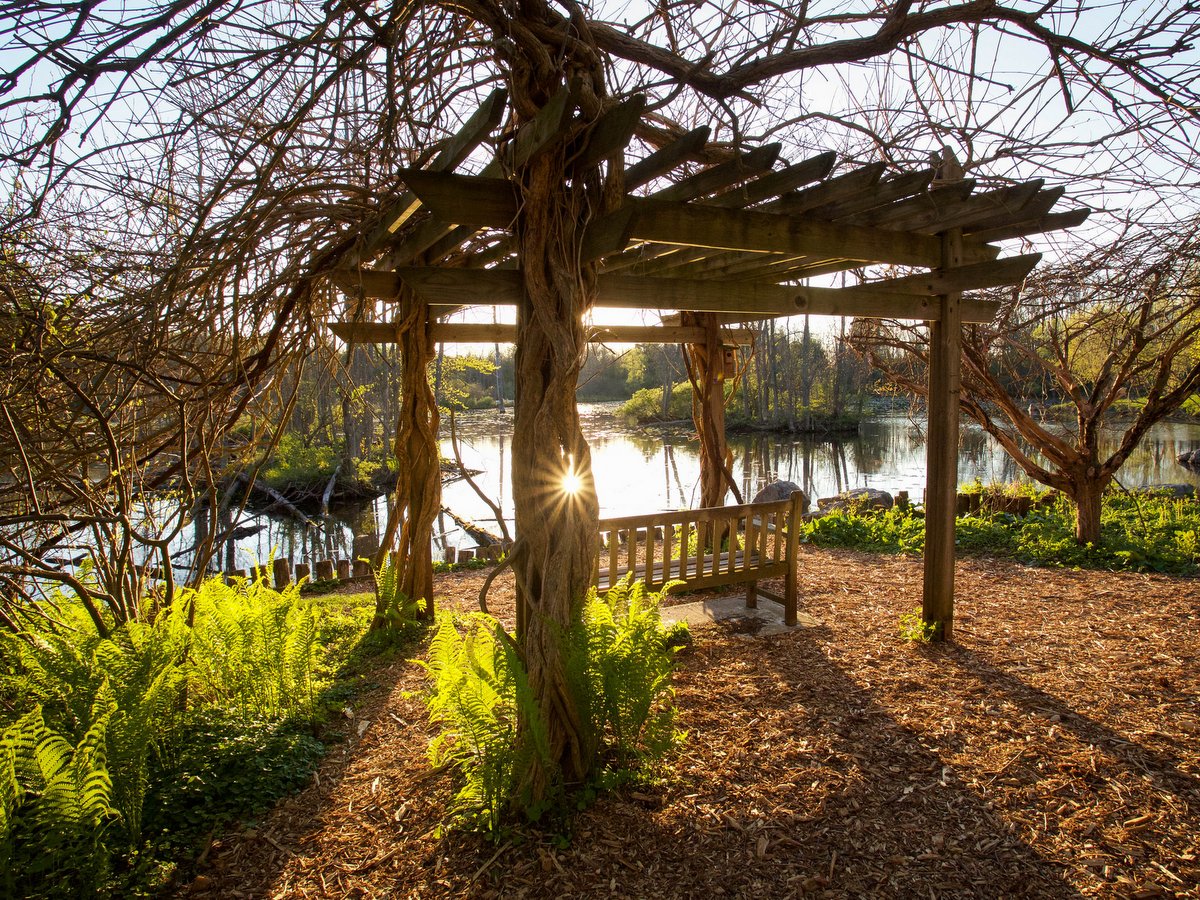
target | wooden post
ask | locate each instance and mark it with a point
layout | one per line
(941, 453)
(325, 570)
(282, 571)
(362, 568)
(791, 588)
(302, 572)
(343, 569)
(452, 555)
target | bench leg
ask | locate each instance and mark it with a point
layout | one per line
(752, 595)
(789, 597)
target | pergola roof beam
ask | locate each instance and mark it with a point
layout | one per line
(917, 210)
(611, 133)
(490, 333)
(539, 132)
(469, 287)
(757, 190)
(1037, 206)
(882, 193)
(662, 161)
(456, 149)
(465, 199)
(772, 184)
(722, 176)
(530, 139)
(491, 202)
(727, 229)
(727, 264)
(1051, 222)
(996, 273)
(841, 187)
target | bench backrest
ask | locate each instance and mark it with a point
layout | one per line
(719, 539)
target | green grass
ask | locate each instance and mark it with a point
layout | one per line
(1139, 533)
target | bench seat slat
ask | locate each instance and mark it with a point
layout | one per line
(726, 574)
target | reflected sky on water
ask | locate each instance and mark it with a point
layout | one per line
(643, 471)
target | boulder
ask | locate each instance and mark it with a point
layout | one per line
(1190, 459)
(861, 498)
(781, 490)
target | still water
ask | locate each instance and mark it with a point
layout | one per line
(643, 471)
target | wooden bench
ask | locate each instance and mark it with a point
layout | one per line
(706, 548)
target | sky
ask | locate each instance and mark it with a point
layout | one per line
(1018, 96)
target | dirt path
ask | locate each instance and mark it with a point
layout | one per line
(1054, 751)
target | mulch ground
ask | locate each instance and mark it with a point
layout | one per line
(1052, 751)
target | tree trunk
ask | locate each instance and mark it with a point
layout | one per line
(418, 496)
(806, 374)
(787, 354)
(556, 528)
(839, 356)
(774, 404)
(1086, 493)
(496, 360)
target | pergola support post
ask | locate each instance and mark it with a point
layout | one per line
(706, 369)
(945, 380)
(408, 535)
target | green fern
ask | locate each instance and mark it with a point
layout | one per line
(57, 807)
(619, 660)
(255, 648)
(480, 695)
(619, 669)
(392, 605)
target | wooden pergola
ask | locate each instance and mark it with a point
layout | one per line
(718, 246)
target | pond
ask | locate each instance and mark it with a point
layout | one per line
(642, 470)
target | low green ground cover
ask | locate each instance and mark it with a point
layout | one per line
(119, 754)
(1139, 532)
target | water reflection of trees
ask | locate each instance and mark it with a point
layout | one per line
(888, 453)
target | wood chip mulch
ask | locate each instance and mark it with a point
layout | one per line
(1052, 751)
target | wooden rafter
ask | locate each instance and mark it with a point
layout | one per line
(662, 161)
(491, 333)
(722, 177)
(456, 288)
(729, 239)
(772, 184)
(491, 202)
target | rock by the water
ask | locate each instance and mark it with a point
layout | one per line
(862, 498)
(781, 490)
(1191, 459)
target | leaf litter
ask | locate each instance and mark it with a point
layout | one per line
(1053, 750)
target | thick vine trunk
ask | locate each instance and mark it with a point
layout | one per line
(554, 495)
(418, 496)
(706, 368)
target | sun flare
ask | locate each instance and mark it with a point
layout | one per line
(572, 483)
